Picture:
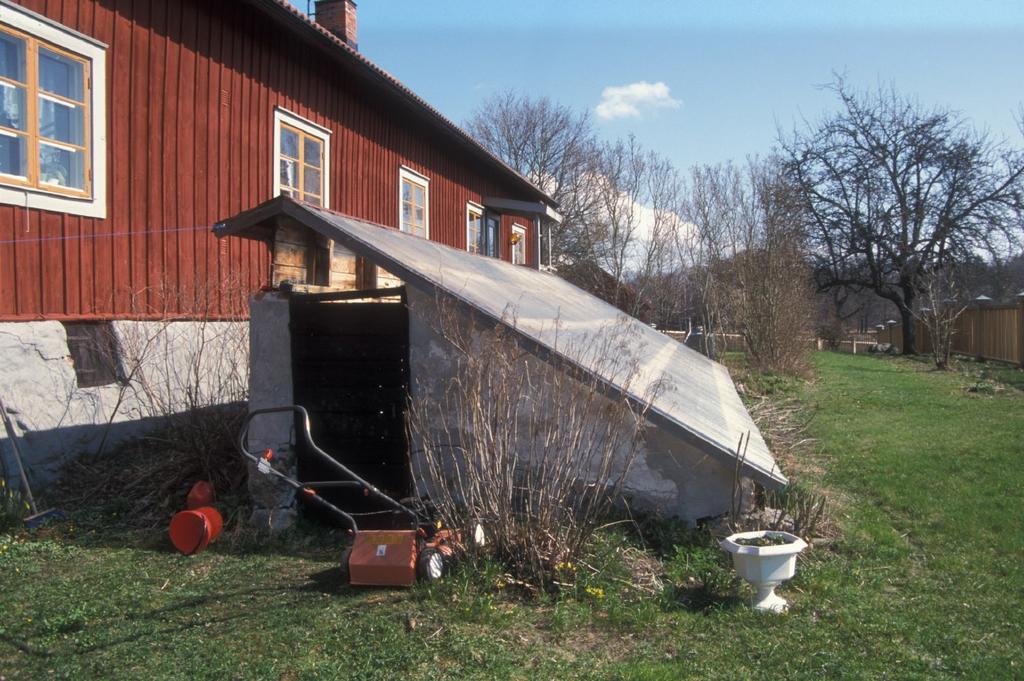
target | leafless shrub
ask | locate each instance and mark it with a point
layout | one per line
(940, 291)
(183, 366)
(805, 508)
(747, 253)
(831, 332)
(799, 510)
(534, 449)
(765, 296)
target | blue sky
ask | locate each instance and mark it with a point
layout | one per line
(709, 81)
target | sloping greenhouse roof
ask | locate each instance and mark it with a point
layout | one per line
(697, 399)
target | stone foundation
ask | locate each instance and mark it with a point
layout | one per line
(270, 385)
(163, 368)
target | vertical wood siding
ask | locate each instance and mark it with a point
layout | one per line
(191, 89)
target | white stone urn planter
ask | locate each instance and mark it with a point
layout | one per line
(765, 567)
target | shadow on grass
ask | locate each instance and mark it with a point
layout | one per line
(140, 637)
(184, 615)
(699, 599)
(24, 646)
(328, 581)
(87, 529)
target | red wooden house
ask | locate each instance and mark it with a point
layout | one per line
(128, 128)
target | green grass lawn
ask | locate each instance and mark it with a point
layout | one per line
(984, 373)
(926, 582)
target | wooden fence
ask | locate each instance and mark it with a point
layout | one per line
(985, 331)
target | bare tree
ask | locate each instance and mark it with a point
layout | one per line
(616, 230)
(766, 294)
(712, 208)
(555, 148)
(659, 278)
(941, 306)
(636, 226)
(895, 191)
(620, 202)
(746, 251)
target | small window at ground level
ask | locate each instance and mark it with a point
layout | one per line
(52, 118)
(518, 245)
(474, 227)
(301, 153)
(413, 203)
(94, 351)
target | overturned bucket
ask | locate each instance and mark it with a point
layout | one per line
(200, 495)
(193, 530)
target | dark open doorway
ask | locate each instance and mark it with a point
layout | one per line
(350, 370)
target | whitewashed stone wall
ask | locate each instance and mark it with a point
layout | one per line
(271, 386)
(171, 365)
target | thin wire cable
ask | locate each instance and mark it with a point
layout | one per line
(38, 240)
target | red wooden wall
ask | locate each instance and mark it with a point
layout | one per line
(191, 90)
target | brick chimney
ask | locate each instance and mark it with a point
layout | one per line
(338, 17)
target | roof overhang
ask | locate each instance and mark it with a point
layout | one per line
(529, 209)
(703, 407)
(357, 65)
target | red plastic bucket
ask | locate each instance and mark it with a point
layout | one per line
(193, 530)
(200, 495)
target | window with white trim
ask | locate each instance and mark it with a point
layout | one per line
(413, 202)
(474, 226)
(301, 159)
(52, 116)
(518, 244)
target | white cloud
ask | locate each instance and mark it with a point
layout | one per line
(628, 101)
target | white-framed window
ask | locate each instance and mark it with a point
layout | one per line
(302, 152)
(53, 140)
(413, 202)
(518, 244)
(474, 226)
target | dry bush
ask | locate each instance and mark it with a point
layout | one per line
(765, 290)
(185, 373)
(748, 257)
(940, 292)
(805, 507)
(146, 480)
(799, 510)
(184, 368)
(765, 295)
(536, 451)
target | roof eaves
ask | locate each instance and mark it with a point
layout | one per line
(285, 10)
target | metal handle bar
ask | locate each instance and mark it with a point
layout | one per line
(356, 480)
